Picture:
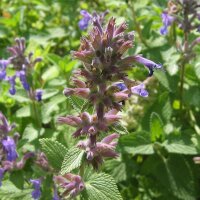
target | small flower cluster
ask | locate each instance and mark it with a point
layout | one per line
(22, 66)
(36, 192)
(72, 184)
(88, 18)
(8, 153)
(185, 13)
(104, 83)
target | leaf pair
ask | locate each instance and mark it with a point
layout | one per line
(97, 186)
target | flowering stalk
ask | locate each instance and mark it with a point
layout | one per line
(104, 83)
(184, 14)
(22, 66)
(8, 152)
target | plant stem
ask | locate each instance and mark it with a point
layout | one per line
(137, 26)
(81, 171)
(35, 112)
(181, 86)
(185, 56)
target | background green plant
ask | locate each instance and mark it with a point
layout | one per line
(159, 141)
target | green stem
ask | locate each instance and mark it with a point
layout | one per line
(184, 59)
(137, 26)
(181, 86)
(81, 171)
(35, 112)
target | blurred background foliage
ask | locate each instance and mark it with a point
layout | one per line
(156, 160)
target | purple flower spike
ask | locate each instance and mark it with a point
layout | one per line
(84, 22)
(121, 86)
(38, 94)
(12, 89)
(10, 148)
(148, 63)
(1, 175)
(3, 65)
(139, 89)
(72, 184)
(5, 128)
(36, 192)
(167, 21)
(55, 195)
(22, 77)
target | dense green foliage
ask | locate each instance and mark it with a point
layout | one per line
(158, 139)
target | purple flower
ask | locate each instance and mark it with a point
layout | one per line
(121, 86)
(84, 22)
(12, 89)
(3, 65)
(72, 184)
(10, 148)
(139, 89)
(36, 192)
(55, 194)
(1, 175)
(22, 162)
(148, 63)
(38, 94)
(167, 21)
(103, 149)
(5, 128)
(22, 77)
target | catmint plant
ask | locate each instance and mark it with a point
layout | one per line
(185, 15)
(104, 84)
(22, 65)
(8, 152)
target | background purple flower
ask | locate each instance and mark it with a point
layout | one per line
(38, 94)
(3, 65)
(84, 22)
(121, 86)
(22, 76)
(36, 192)
(55, 194)
(167, 21)
(1, 175)
(139, 89)
(10, 148)
(148, 63)
(12, 81)
(5, 128)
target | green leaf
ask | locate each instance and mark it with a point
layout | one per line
(54, 151)
(72, 160)
(197, 69)
(47, 93)
(137, 143)
(117, 169)
(77, 103)
(101, 187)
(120, 129)
(180, 148)
(162, 78)
(25, 111)
(50, 107)
(17, 178)
(9, 192)
(167, 110)
(50, 73)
(30, 133)
(20, 96)
(171, 179)
(156, 127)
